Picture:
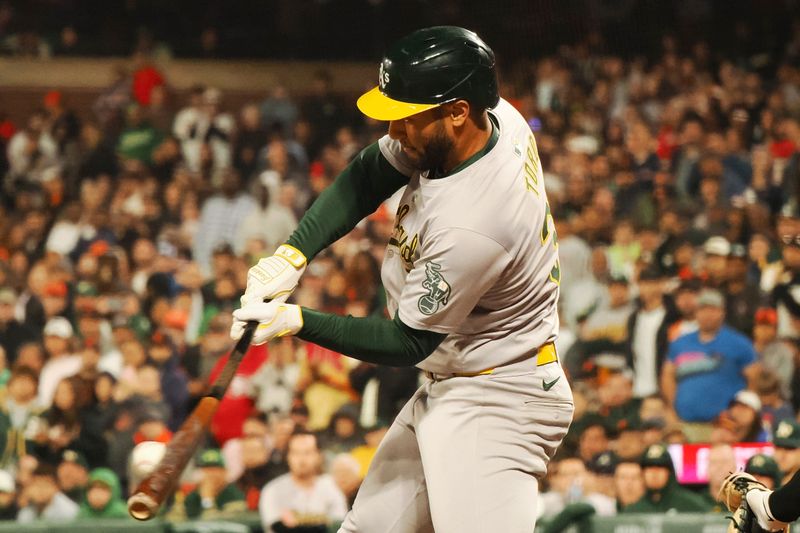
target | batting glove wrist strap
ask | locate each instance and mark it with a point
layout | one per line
(275, 319)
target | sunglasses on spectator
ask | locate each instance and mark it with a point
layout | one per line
(791, 240)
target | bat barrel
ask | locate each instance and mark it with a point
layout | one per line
(157, 487)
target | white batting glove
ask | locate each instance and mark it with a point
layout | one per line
(275, 277)
(275, 319)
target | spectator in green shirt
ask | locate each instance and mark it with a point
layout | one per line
(214, 497)
(139, 139)
(103, 496)
(662, 492)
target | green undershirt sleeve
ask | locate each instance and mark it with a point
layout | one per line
(357, 192)
(371, 339)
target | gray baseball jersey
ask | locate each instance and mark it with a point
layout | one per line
(474, 254)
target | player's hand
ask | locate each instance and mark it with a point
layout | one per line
(275, 319)
(274, 277)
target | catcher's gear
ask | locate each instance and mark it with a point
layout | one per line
(746, 497)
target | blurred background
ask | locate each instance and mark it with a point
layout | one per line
(151, 152)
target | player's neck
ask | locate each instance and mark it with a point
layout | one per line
(469, 142)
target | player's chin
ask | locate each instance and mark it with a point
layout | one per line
(414, 157)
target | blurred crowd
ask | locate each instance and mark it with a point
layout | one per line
(127, 229)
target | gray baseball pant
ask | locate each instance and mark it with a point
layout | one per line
(465, 454)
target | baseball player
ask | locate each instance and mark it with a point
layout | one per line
(472, 279)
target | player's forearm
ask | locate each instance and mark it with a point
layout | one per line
(366, 182)
(371, 339)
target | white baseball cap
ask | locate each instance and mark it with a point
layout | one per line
(748, 398)
(717, 245)
(58, 326)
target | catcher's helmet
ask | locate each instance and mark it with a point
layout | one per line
(429, 67)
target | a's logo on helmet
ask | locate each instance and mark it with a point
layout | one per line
(383, 77)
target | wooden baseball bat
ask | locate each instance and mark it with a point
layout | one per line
(154, 490)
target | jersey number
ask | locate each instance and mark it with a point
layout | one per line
(555, 272)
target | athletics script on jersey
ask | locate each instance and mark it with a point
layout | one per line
(438, 289)
(406, 247)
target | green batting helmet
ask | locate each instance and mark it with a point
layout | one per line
(430, 67)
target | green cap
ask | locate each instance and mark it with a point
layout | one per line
(656, 455)
(211, 457)
(74, 456)
(787, 434)
(763, 465)
(429, 67)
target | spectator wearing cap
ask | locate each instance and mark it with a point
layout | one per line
(662, 492)
(73, 475)
(745, 413)
(8, 497)
(13, 333)
(714, 358)
(221, 218)
(765, 469)
(45, 501)
(214, 497)
(774, 354)
(715, 263)
(61, 361)
(103, 496)
(741, 296)
(601, 469)
(787, 448)
(647, 332)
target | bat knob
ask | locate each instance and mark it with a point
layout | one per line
(142, 507)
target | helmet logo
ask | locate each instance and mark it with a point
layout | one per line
(383, 77)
